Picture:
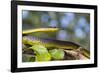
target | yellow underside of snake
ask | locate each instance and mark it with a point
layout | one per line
(51, 43)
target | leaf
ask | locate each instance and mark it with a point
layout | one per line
(75, 54)
(57, 54)
(28, 58)
(41, 53)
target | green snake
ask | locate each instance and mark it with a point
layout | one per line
(67, 45)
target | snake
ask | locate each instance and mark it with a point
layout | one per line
(51, 43)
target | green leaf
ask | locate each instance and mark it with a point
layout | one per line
(43, 57)
(41, 53)
(57, 54)
(27, 58)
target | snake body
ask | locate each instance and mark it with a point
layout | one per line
(51, 43)
(40, 30)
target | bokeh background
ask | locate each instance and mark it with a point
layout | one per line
(76, 26)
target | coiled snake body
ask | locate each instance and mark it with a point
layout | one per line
(30, 40)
